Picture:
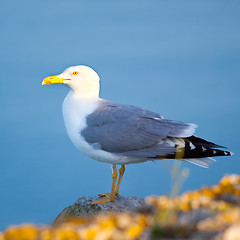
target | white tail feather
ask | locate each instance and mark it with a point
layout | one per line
(202, 162)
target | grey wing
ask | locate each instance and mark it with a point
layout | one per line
(132, 131)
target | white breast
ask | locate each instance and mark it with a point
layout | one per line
(75, 111)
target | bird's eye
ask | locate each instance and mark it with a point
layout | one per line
(75, 73)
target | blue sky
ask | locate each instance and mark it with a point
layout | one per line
(178, 58)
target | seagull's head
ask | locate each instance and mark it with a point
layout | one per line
(82, 79)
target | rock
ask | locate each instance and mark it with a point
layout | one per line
(84, 207)
(229, 198)
(194, 216)
(210, 213)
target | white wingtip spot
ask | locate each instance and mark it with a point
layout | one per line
(204, 149)
(192, 146)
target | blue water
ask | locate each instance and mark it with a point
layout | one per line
(178, 58)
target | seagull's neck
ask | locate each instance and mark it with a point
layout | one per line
(81, 98)
(76, 108)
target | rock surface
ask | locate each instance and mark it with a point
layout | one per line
(210, 213)
(84, 207)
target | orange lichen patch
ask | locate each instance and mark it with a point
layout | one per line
(216, 190)
(203, 198)
(24, 232)
(77, 221)
(134, 231)
(91, 234)
(107, 223)
(237, 192)
(108, 226)
(230, 179)
(2, 236)
(207, 192)
(46, 234)
(232, 216)
(134, 228)
(142, 221)
(185, 206)
(66, 232)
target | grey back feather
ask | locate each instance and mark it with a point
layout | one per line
(132, 131)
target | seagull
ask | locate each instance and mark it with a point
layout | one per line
(121, 134)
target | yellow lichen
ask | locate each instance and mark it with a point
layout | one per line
(45, 234)
(24, 232)
(135, 231)
(2, 236)
(91, 234)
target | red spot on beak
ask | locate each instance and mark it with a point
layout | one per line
(47, 82)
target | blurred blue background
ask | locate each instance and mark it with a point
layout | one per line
(178, 58)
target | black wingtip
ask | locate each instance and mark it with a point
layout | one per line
(203, 142)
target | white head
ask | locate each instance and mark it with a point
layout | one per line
(82, 79)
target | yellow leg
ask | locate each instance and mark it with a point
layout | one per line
(121, 172)
(109, 197)
(114, 177)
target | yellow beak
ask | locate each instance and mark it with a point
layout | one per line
(53, 79)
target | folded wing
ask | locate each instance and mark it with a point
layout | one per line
(133, 132)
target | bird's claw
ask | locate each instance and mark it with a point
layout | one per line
(106, 194)
(105, 197)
